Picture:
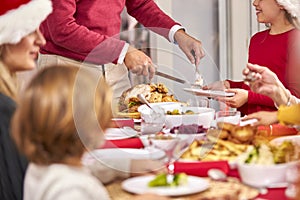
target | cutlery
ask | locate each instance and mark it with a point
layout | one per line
(167, 76)
(199, 78)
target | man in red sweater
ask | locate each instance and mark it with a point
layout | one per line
(86, 32)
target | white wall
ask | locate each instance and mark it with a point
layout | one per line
(240, 27)
(200, 18)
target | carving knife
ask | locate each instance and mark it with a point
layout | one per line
(167, 76)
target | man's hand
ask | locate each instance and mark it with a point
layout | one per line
(139, 63)
(189, 46)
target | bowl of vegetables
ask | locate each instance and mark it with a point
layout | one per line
(179, 114)
(266, 165)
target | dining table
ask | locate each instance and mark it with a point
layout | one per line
(226, 189)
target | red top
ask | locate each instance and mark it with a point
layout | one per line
(76, 27)
(281, 54)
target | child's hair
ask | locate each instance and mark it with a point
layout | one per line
(293, 20)
(62, 111)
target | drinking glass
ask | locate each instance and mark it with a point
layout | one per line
(153, 121)
(233, 117)
(198, 101)
(173, 145)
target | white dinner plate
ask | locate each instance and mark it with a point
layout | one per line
(209, 93)
(120, 133)
(139, 185)
(121, 153)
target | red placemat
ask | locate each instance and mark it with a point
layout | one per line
(124, 143)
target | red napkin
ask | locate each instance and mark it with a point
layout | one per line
(135, 143)
(276, 130)
(121, 122)
(200, 168)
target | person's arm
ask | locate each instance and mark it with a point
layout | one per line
(237, 84)
(67, 33)
(253, 98)
(266, 82)
(152, 17)
(263, 118)
(259, 99)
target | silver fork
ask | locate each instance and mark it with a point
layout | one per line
(199, 78)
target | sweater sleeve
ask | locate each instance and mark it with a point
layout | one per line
(68, 34)
(259, 99)
(151, 16)
(238, 84)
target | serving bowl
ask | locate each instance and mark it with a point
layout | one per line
(201, 116)
(259, 175)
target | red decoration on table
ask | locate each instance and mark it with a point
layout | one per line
(125, 143)
(200, 168)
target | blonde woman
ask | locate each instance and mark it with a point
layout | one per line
(20, 42)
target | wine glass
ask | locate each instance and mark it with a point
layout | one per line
(174, 145)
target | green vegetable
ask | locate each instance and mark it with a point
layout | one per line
(132, 103)
(252, 155)
(161, 180)
(189, 112)
(180, 179)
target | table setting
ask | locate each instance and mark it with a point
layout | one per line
(194, 141)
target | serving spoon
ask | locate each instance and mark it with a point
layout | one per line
(142, 98)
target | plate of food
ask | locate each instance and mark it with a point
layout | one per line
(154, 93)
(209, 93)
(182, 185)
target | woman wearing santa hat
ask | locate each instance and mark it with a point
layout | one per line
(277, 48)
(20, 41)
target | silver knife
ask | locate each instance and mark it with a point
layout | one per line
(167, 76)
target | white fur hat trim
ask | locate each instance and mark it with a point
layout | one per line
(292, 6)
(19, 22)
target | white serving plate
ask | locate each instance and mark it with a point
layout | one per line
(208, 93)
(139, 185)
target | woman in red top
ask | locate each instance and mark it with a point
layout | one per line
(276, 48)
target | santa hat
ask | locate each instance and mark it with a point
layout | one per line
(292, 7)
(18, 18)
